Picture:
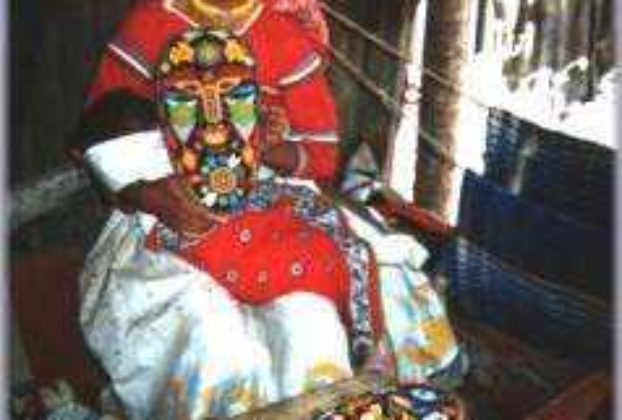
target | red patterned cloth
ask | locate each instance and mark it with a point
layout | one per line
(261, 255)
(259, 258)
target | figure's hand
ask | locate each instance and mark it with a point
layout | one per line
(275, 123)
(283, 157)
(171, 200)
(275, 153)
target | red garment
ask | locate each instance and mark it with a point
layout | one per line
(310, 16)
(282, 253)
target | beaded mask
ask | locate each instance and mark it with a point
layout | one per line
(208, 102)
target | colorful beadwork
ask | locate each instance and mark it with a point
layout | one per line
(417, 403)
(208, 101)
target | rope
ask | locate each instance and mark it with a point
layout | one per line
(371, 37)
(389, 102)
(393, 106)
(400, 55)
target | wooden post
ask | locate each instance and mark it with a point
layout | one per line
(445, 52)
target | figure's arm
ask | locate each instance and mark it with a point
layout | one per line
(121, 102)
(118, 144)
(172, 202)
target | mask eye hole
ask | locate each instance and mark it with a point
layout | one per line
(244, 90)
(181, 108)
(177, 96)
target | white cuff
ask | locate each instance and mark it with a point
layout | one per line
(120, 161)
(389, 248)
(303, 161)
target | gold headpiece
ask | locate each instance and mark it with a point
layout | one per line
(228, 14)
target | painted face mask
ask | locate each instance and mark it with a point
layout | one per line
(208, 103)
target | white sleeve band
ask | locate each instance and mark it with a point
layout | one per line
(123, 160)
(303, 161)
(325, 137)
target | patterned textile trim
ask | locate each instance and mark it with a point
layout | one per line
(132, 59)
(310, 64)
(359, 259)
(388, 402)
(326, 137)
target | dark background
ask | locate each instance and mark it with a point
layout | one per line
(54, 49)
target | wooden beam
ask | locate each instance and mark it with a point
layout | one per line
(579, 401)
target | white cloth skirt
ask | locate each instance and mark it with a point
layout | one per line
(177, 345)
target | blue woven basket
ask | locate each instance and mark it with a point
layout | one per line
(535, 238)
(566, 174)
(505, 141)
(573, 177)
(549, 317)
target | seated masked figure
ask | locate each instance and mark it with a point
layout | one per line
(221, 283)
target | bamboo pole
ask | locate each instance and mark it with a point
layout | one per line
(446, 40)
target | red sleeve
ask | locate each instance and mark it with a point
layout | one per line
(310, 104)
(131, 56)
(114, 74)
(321, 161)
(280, 45)
(312, 115)
(289, 61)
